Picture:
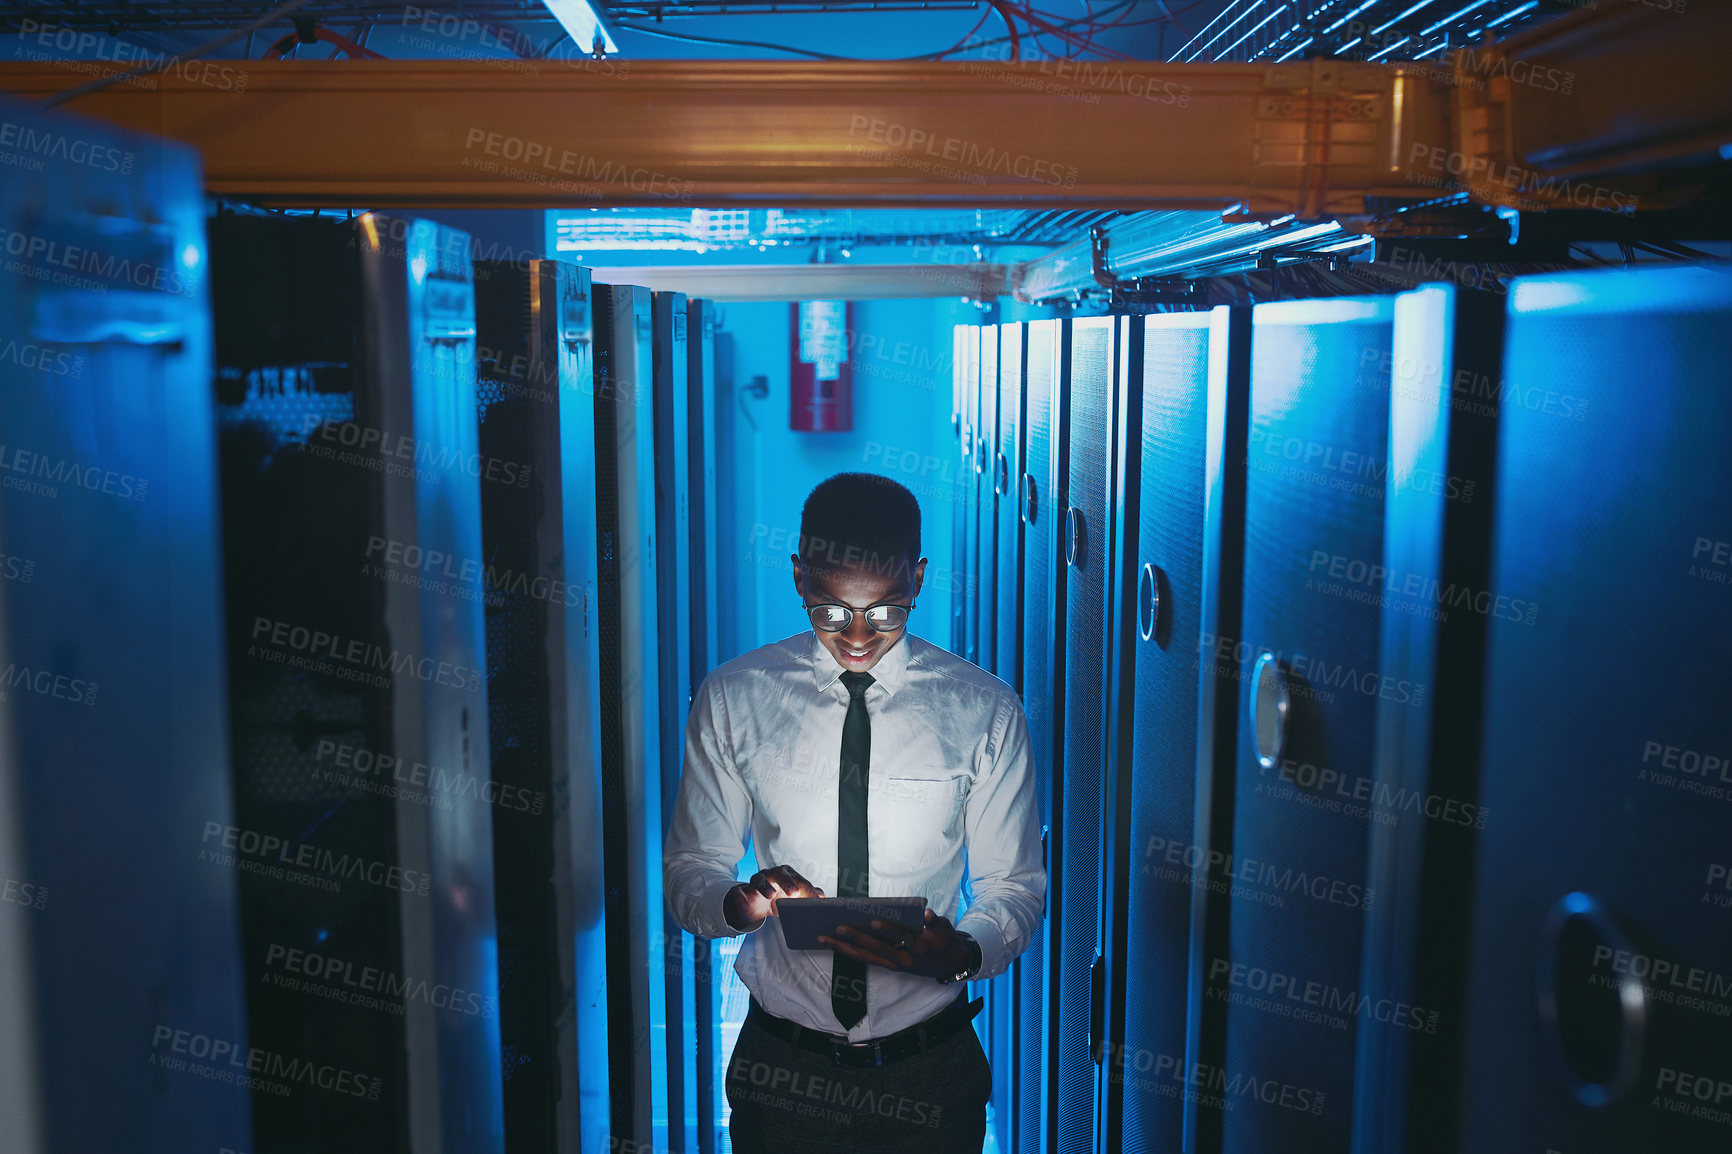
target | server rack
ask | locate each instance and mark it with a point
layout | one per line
(352, 535)
(705, 622)
(1007, 468)
(673, 438)
(1077, 989)
(631, 710)
(959, 372)
(113, 733)
(536, 392)
(1307, 655)
(1218, 702)
(1040, 503)
(673, 581)
(1006, 622)
(1436, 555)
(968, 495)
(1181, 537)
(984, 572)
(701, 472)
(1118, 684)
(1598, 993)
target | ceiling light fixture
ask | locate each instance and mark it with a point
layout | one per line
(582, 24)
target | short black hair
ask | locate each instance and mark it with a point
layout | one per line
(861, 519)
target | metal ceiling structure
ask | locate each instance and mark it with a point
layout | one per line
(855, 282)
(117, 16)
(1318, 139)
(1371, 30)
(1123, 169)
(1312, 139)
(740, 230)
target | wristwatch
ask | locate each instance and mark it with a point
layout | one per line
(974, 963)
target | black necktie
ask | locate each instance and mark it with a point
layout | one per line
(847, 976)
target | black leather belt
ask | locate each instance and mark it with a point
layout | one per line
(916, 1039)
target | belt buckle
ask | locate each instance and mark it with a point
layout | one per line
(839, 1047)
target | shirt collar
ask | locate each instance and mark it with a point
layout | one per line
(890, 672)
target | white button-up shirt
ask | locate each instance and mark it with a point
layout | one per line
(950, 781)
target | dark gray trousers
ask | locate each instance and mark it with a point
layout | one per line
(788, 1099)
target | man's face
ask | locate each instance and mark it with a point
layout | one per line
(859, 647)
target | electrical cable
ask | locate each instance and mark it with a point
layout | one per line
(194, 53)
(968, 37)
(1172, 17)
(1003, 9)
(1676, 250)
(1119, 6)
(1094, 28)
(1038, 21)
(337, 41)
(732, 43)
(967, 43)
(1036, 26)
(1086, 44)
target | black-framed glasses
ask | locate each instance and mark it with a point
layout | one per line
(836, 618)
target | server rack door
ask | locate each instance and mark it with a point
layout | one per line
(1599, 990)
(112, 705)
(1307, 651)
(701, 417)
(674, 581)
(984, 576)
(1422, 803)
(1223, 566)
(631, 722)
(428, 393)
(1006, 468)
(1040, 503)
(960, 361)
(539, 583)
(352, 534)
(21, 1124)
(1076, 909)
(969, 494)
(1124, 500)
(1156, 786)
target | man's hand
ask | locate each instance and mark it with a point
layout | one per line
(935, 952)
(749, 903)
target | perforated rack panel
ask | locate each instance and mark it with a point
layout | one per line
(119, 921)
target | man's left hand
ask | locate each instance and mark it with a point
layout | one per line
(935, 952)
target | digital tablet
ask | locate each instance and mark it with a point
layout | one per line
(803, 919)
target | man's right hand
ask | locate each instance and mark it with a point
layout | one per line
(749, 903)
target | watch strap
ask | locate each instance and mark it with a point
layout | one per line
(973, 967)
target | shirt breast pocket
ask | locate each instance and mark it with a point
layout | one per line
(928, 799)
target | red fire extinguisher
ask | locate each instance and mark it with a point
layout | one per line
(820, 380)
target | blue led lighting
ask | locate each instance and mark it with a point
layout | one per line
(1514, 12)
(1218, 17)
(1253, 31)
(1403, 16)
(1349, 16)
(1226, 28)
(1454, 16)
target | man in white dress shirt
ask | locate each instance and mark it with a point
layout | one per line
(861, 761)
